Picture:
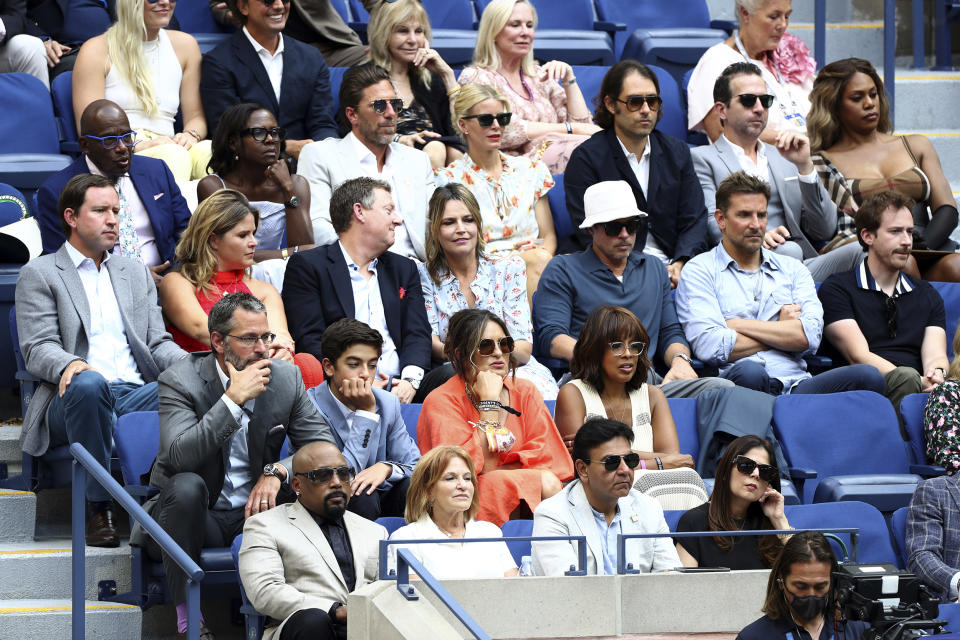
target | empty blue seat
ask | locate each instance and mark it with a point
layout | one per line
(912, 410)
(950, 292)
(874, 538)
(557, 199)
(590, 78)
(196, 19)
(684, 411)
(410, 414)
(253, 621)
(898, 533)
(61, 90)
(29, 137)
(391, 523)
(692, 16)
(137, 437)
(673, 115)
(518, 549)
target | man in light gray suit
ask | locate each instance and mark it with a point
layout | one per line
(91, 329)
(800, 214)
(223, 419)
(370, 102)
(599, 504)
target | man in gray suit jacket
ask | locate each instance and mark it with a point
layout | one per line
(933, 535)
(800, 214)
(90, 328)
(223, 419)
(600, 504)
(367, 424)
(370, 102)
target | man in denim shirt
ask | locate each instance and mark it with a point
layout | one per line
(754, 313)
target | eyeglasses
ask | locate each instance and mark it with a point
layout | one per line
(260, 133)
(746, 466)
(251, 341)
(485, 346)
(380, 106)
(486, 119)
(613, 228)
(635, 103)
(612, 462)
(632, 348)
(268, 3)
(323, 475)
(890, 309)
(750, 99)
(110, 142)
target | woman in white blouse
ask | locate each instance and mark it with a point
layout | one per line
(441, 502)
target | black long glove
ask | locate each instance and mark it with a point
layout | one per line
(941, 225)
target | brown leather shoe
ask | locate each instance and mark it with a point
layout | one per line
(205, 633)
(101, 531)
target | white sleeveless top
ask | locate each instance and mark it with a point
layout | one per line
(167, 76)
(639, 408)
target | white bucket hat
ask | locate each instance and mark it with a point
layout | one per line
(609, 201)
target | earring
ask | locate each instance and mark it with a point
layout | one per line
(236, 156)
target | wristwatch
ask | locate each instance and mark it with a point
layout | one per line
(292, 203)
(413, 383)
(682, 356)
(271, 469)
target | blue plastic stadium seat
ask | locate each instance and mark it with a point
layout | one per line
(518, 528)
(693, 16)
(912, 409)
(253, 621)
(898, 533)
(137, 437)
(673, 116)
(950, 292)
(873, 540)
(196, 19)
(557, 199)
(573, 19)
(411, 414)
(852, 442)
(29, 138)
(391, 523)
(672, 516)
(675, 50)
(590, 77)
(61, 90)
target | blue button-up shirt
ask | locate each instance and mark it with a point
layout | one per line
(713, 288)
(608, 539)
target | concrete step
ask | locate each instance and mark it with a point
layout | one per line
(42, 569)
(50, 618)
(10, 443)
(803, 11)
(19, 509)
(926, 99)
(846, 39)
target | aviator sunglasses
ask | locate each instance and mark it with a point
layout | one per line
(768, 472)
(750, 99)
(612, 462)
(635, 103)
(486, 119)
(485, 346)
(380, 106)
(323, 475)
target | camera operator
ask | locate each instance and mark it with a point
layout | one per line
(801, 596)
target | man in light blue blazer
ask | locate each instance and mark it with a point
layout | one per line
(370, 103)
(366, 422)
(600, 504)
(801, 218)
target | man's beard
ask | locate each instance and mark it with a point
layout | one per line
(335, 511)
(238, 363)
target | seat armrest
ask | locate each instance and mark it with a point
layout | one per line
(927, 470)
(609, 27)
(799, 476)
(25, 376)
(725, 25)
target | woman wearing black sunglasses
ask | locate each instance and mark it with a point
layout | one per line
(512, 192)
(248, 149)
(746, 495)
(500, 420)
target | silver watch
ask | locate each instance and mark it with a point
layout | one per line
(271, 469)
(682, 356)
(413, 383)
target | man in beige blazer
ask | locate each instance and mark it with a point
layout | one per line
(300, 561)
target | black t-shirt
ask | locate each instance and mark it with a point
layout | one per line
(743, 555)
(767, 629)
(916, 309)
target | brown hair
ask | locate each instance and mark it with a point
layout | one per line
(612, 85)
(823, 125)
(427, 473)
(870, 214)
(739, 182)
(464, 334)
(604, 325)
(802, 548)
(74, 194)
(720, 517)
(453, 192)
(350, 192)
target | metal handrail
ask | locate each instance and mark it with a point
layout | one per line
(624, 567)
(84, 463)
(579, 570)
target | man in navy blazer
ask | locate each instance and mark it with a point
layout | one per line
(366, 422)
(159, 211)
(258, 64)
(657, 167)
(357, 277)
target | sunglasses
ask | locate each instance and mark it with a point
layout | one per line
(486, 119)
(750, 99)
(249, 341)
(110, 142)
(768, 472)
(613, 228)
(612, 462)
(323, 475)
(156, 1)
(267, 3)
(635, 103)
(380, 106)
(631, 348)
(260, 133)
(485, 346)
(890, 310)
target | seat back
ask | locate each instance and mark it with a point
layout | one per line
(137, 436)
(565, 14)
(874, 539)
(673, 114)
(912, 408)
(839, 434)
(898, 533)
(655, 14)
(950, 292)
(391, 523)
(61, 90)
(450, 14)
(411, 414)
(557, 199)
(28, 124)
(254, 622)
(196, 17)
(590, 78)
(341, 8)
(684, 412)
(518, 528)
(672, 516)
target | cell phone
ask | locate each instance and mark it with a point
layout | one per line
(701, 569)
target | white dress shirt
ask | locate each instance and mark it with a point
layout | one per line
(453, 561)
(272, 62)
(641, 169)
(760, 168)
(146, 239)
(109, 353)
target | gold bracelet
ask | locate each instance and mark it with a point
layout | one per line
(194, 133)
(453, 91)
(284, 253)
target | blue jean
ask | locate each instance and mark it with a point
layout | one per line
(753, 375)
(87, 412)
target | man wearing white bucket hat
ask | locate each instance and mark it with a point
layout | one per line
(610, 272)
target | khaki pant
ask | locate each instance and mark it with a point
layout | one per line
(901, 382)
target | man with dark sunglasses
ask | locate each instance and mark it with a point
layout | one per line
(224, 416)
(655, 165)
(609, 271)
(309, 600)
(152, 214)
(600, 504)
(876, 314)
(370, 104)
(800, 214)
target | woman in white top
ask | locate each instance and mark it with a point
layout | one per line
(150, 72)
(609, 368)
(441, 502)
(785, 61)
